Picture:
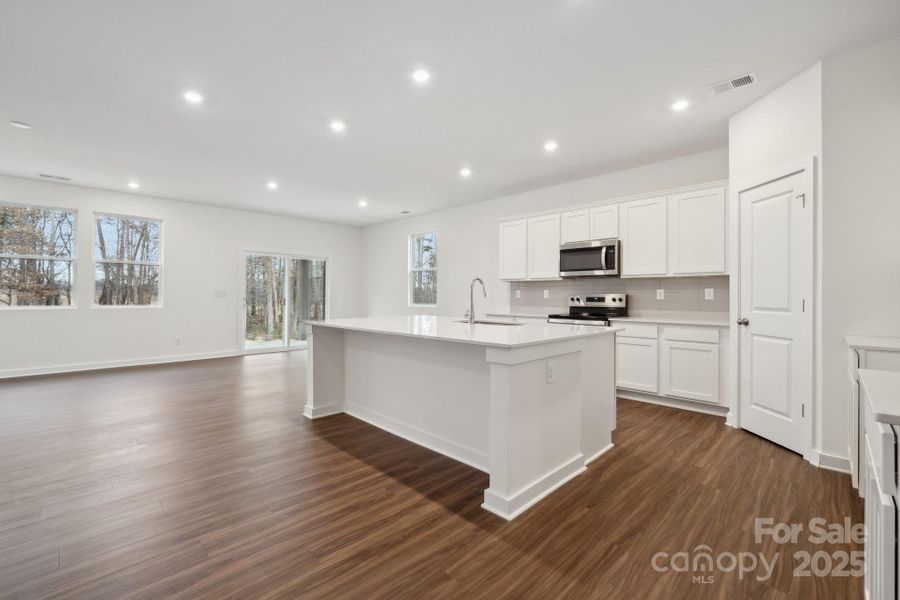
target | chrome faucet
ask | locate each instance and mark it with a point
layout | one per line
(471, 314)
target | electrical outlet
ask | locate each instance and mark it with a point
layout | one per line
(546, 294)
(178, 341)
(518, 293)
(220, 293)
(709, 294)
(660, 294)
(551, 371)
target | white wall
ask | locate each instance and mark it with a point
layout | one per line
(468, 238)
(861, 255)
(201, 249)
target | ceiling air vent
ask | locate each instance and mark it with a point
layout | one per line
(734, 82)
(54, 177)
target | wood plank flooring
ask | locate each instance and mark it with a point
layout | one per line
(202, 480)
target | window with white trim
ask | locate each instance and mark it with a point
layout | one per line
(127, 261)
(423, 269)
(37, 256)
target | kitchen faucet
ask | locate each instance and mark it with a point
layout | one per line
(471, 314)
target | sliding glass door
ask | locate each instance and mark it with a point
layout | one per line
(281, 292)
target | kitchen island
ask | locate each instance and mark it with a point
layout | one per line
(529, 403)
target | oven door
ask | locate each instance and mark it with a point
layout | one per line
(595, 258)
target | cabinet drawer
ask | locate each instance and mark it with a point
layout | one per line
(882, 446)
(708, 335)
(637, 330)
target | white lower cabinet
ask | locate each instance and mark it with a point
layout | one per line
(690, 370)
(878, 482)
(675, 361)
(636, 364)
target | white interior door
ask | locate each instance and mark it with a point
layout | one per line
(776, 357)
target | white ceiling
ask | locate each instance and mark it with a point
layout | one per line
(101, 83)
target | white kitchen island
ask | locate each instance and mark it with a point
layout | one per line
(530, 404)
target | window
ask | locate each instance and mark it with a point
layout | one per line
(423, 269)
(37, 256)
(127, 256)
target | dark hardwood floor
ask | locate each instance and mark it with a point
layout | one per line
(203, 480)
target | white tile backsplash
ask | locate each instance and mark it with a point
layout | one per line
(682, 294)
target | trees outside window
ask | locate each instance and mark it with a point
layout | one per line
(423, 269)
(37, 256)
(127, 261)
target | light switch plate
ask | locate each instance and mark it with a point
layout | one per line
(709, 294)
(551, 371)
(546, 294)
(518, 293)
(660, 294)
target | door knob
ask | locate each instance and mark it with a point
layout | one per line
(743, 321)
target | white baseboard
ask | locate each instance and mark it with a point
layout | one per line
(115, 364)
(512, 507)
(463, 454)
(315, 412)
(832, 462)
(700, 407)
(603, 451)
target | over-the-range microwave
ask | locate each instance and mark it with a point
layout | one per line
(593, 258)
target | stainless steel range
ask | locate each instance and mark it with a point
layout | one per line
(593, 309)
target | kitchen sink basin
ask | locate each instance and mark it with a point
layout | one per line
(482, 322)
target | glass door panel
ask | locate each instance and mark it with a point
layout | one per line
(265, 303)
(307, 296)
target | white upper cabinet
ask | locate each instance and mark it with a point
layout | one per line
(642, 228)
(543, 247)
(513, 249)
(575, 226)
(604, 222)
(697, 233)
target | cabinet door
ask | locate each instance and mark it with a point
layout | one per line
(513, 249)
(690, 370)
(636, 364)
(604, 222)
(880, 544)
(697, 232)
(643, 233)
(543, 247)
(575, 226)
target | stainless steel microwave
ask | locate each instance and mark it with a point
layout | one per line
(593, 258)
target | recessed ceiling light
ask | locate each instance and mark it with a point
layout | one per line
(338, 126)
(680, 105)
(272, 185)
(421, 76)
(20, 124)
(134, 185)
(551, 145)
(193, 97)
(465, 172)
(362, 203)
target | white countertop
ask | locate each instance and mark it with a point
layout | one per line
(872, 342)
(883, 391)
(676, 320)
(451, 330)
(661, 319)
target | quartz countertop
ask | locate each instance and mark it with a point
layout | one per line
(449, 329)
(872, 342)
(702, 320)
(882, 389)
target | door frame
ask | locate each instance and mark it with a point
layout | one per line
(808, 166)
(242, 292)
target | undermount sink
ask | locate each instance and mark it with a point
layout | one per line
(478, 322)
